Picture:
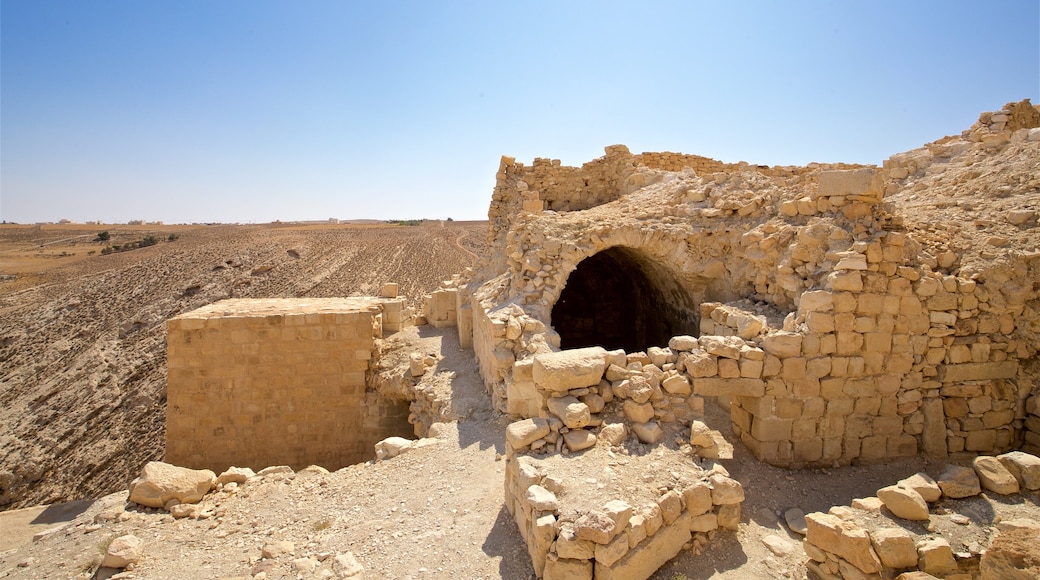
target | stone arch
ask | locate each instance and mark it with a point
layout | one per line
(621, 297)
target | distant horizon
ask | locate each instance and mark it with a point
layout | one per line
(233, 112)
(329, 221)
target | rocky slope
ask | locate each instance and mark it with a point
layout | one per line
(82, 349)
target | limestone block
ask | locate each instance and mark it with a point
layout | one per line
(845, 539)
(560, 568)
(234, 475)
(728, 516)
(846, 281)
(541, 499)
(684, 343)
(782, 344)
(816, 301)
(724, 346)
(569, 369)
(569, 545)
(725, 491)
(895, 547)
(699, 364)
(1025, 468)
(522, 433)
(161, 482)
(650, 555)
(737, 387)
(956, 482)
(595, 526)
(570, 410)
(649, 432)
(671, 506)
(850, 182)
(579, 439)
(637, 412)
(676, 385)
(923, 484)
(935, 557)
(904, 502)
(994, 476)
(977, 371)
(704, 523)
(522, 398)
(613, 433)
(698, 498)
(542, 532)
(700, 435)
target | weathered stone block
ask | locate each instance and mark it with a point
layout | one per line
(569, 369)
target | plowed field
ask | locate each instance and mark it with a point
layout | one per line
(82, 335)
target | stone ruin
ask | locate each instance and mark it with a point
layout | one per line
(625, 295)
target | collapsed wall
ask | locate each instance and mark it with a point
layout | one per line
(842, 313)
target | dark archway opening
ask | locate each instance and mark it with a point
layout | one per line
(618, 299)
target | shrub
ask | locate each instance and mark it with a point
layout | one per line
(103, 236)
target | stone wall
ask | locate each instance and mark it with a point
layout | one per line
(858, 339)
(918, 524)
(277, 382)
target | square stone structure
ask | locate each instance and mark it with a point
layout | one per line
(255, 383)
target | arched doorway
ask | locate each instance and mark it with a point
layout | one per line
(619, 298)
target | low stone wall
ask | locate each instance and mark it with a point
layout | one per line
(277, 382)
(895, 532)
(571, 536)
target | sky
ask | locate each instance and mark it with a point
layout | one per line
(253, 111)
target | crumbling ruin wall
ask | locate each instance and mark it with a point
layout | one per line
(867, 341)
(277, 382)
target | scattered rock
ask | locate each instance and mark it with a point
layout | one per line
(904, 502)
(123, 551)
(278, 548)
(795, 519)
(994, 476)
(957, 482)
(777, 545)
(347, 566)
(923, 484)
(160, 482)
(235, 475)
(1025, 468)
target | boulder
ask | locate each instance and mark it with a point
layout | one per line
(347, 566)
(1025, 468)
(160, 482)
(904, 502)
(392, 447)
(123, 551)
(957, 482)
(570, 410)
(994, 476)
(579, 439)
(569, 369)
(235, 475)
(923, 484)
(278, 548)
(613, 433)
(649, 432)
(525, 432)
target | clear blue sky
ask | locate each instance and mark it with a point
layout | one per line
(251, 110)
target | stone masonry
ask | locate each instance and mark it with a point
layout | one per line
(622, 295)
(278, 382)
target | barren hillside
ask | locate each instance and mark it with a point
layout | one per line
(82, 335)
